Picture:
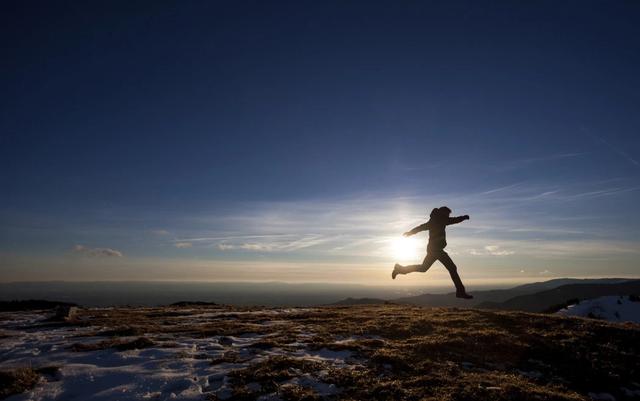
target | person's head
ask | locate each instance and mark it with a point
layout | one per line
(440, 213)
(445, 211)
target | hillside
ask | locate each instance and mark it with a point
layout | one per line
(359, 301)
(385, 352)
(31, 304)
(541, 301)
(501, 295)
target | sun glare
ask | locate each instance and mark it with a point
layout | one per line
(405, 249)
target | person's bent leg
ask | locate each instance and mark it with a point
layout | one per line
(453, 271)
(426, 264)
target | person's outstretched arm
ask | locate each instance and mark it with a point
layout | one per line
(456, 220)
(421, 227)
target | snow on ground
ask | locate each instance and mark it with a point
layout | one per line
(176, 367)
(610, 308)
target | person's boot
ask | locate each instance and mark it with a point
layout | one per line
(395, 271)
(464, 295)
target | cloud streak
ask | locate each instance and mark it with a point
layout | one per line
(521, 218)
(277, 243)
(530, 161)
(618, 151)
(490, 250)
(96, 252)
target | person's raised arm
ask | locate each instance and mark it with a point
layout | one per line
(456, 220)
(421, 227)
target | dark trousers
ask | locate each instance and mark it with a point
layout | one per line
(432, 256)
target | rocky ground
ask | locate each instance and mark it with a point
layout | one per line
(385, 352)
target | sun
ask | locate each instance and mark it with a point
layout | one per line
(405, 249)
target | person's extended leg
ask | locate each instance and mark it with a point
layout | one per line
(426, 264)
(461, 292)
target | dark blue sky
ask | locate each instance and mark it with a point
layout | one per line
(152, 115)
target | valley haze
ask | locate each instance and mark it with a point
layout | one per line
(270, 293)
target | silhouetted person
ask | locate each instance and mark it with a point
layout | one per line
(435, 249)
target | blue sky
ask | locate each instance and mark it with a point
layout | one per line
(297, 140)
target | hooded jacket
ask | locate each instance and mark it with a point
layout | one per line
(436, 226)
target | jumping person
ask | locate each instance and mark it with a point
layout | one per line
(435, 249)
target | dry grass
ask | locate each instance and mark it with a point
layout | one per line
(406, 352)
(17, 381)
(120, 345)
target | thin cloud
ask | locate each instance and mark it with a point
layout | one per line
(490, 250)
(567, 192)
(620, 152)
(160, 233)
(501, 189)
(277, 244)
(495, 250)
(231, 237)
(183, 245)
(96, 252)
(363, 227)
(600, 193)
(525, 162)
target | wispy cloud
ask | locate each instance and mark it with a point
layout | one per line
(491, 250)
(617, 150)
(516, 194)
(510, 227)
(229, 237)
(278, 243)
(496, 250)
(600, 193)
(504, 221)
(501, 189)
(530, 161)
(96, 252)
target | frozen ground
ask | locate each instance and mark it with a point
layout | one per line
(610, 308)
(176, 366)
(379, 352)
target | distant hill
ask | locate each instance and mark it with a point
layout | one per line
(557, 282)
(31, 304)
(499, 296)
(193, 303)
(359, 301)
(545, 300)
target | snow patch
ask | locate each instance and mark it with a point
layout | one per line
(611, 308)
(178, 366)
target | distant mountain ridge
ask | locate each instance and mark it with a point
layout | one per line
(532, 297)
(502, 295)
(359, 301)
(541, 301)
(31, 304)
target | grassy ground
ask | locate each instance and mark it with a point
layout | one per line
(397, 352)
(16, 381)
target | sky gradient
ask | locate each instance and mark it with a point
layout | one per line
(297, 141)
